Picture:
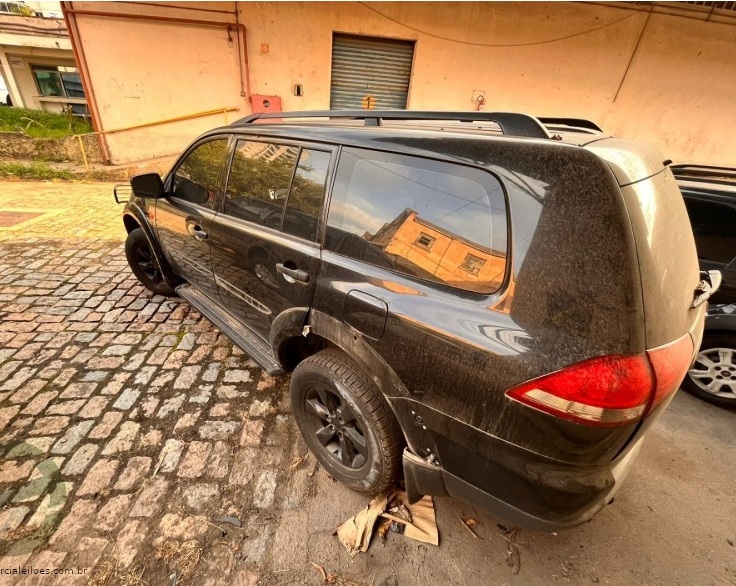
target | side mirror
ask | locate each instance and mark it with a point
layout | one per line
(147, 185)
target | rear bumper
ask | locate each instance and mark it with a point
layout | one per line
(423, 478)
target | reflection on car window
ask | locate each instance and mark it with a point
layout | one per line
(428, 219)
(714, 230)
(196, 179)
(307, 190)
(259, 182)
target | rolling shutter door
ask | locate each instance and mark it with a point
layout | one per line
(366, 66)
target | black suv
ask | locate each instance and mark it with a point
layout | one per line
(497, 305)
(710, 198)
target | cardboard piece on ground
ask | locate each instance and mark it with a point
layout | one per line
(355, 533)
(423, 525)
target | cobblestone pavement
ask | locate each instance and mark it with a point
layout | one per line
(129, 425)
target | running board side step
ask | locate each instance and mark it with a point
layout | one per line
(242, 336)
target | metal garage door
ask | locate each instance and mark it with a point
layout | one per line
(367, 69)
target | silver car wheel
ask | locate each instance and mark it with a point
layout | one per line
(714, 371)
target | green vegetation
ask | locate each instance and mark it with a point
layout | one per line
(41, 124)
(42, 171)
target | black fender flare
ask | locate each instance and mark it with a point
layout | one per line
(135, 212)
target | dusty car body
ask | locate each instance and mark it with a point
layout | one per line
(497, 306)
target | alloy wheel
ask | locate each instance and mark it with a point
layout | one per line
(148, 264)
(336, 427)
(714, 371)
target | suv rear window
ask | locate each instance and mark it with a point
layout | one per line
(432, 220)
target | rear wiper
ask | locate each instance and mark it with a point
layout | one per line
(710, 281)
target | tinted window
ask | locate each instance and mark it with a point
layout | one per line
(259, 182)
(307, 190)
(197, 178)
(432, 220)
(714, 227)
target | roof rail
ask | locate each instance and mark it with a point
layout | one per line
(705, 174)
(573, 122)
(511, 123)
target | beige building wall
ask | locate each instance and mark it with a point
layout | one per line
(547, 59)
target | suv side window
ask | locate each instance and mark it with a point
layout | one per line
(713, 227)
(432, 220)
(307, 190)
(259, 181)
(197, 179)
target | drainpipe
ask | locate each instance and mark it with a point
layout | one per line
(71, 25)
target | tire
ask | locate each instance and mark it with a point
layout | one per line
(363, 448)
(716, 358)
(144, 265)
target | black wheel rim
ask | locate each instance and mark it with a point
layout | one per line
(336, 428)
(147, 263)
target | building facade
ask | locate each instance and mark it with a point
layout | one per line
(661, 72)
(36, 60)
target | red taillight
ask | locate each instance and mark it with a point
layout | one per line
(670, 365)
(610, 390)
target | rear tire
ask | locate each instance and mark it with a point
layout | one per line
(144, 265)
(343, 419)
(713, 375)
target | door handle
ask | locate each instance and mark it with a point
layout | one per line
(198, 233)
(294, 274)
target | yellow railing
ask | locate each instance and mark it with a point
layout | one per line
(222, 111)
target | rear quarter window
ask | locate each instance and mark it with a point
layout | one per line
(431, 220)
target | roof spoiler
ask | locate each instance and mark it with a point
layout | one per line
(511, 123)
(574, 123)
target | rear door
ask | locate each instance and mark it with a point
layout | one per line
(184, 216)
(264, 241)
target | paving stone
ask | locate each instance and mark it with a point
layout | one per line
(124, 439)
(252, 432)
(6, 414)
(173, 526)
(38, 404)
(259, 408)
(218, 429)
(12, 470)
(10, 519)
(32, 446)
(87, 553)
(98, 478)
(200, 496)
(220, 410)
(80, 460)
(126, 399)
(237, 376)
(187, 377)
(131, 537)
(245, 466)
(113, 512)
(43, 475)
(95, 376)
(231, 392)
(79, 391)
(169, 456)
(266, 382)
(81, 515)
(72, 437)
(134, 472)
(265, 489)
(51, 505)
(105, 427)
(171, 406)
(148, 406)
(66, 407)
(195, 461)
(143, 375)
(187, 420)
(204, 394)
(52, 424)
(151, 498)
(94, 407)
